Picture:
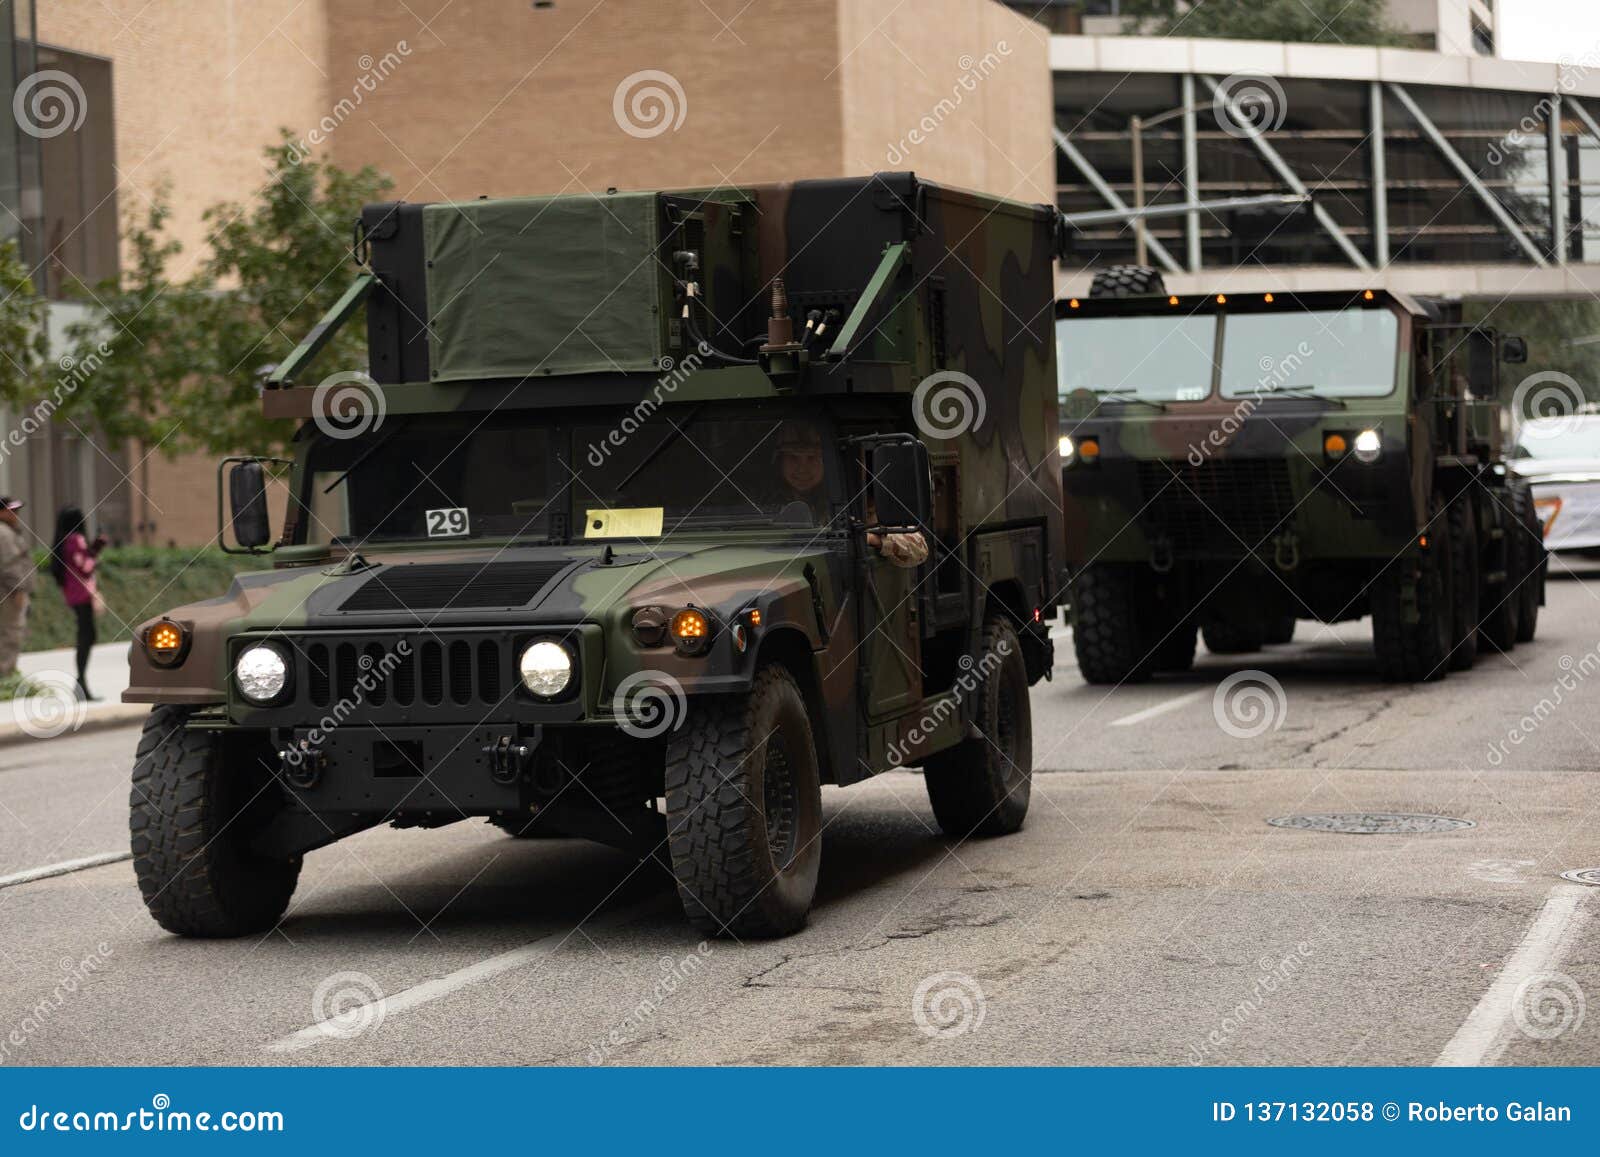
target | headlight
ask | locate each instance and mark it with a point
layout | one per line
(1067, 447)
(261, 673)
(1367, 446)
(546, 668)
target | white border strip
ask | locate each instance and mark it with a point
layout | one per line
(63, 868)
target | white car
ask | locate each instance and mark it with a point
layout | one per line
(1560, 457)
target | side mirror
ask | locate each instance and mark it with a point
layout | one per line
(247, 504)
(902, 490)
(1483, 363)
(1513, 350)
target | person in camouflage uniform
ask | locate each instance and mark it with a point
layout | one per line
(16, 584)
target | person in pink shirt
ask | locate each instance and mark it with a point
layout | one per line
(73, 559)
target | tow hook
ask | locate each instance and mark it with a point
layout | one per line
(508, 757)
(1161, 555)
(1286, 553)
(301, 763)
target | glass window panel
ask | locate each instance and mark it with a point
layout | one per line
(1166, 359)
(1333, 352)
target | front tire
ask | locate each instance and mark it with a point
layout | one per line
(1465, 570)
(981, 787)
(1234, 637)
(1280, 630)
(744, 810)
(191, 819)
(1535, 560)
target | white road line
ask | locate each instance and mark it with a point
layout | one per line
(1158, 709)
(1484, 1035)
(430, 990)
(63, 868)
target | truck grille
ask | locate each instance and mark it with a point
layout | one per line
(1191, 505)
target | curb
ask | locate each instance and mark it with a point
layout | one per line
(120, 715)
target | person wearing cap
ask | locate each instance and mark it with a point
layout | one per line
(16, 584)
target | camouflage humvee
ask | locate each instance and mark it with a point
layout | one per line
(1233, 463)
(612, 545)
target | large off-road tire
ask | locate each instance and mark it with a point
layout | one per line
(744, 810)
(191, 820)
(1420, 651)
(1106, 622)
(1234, 636)
(981, 786)
(1127, 281)
(1466, 569)
(1501, 611)
(1535, 560)
(1175, 652)
(1280, 630)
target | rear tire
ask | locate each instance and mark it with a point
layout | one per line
(1234, 637)
(1415, 652)
(191, 821)
(1535, 560)
(1501, 621)
(1105, 626)
(1280, 630)
(744, 810)
(1127, 281)
(1175, 653)
(1465, 569)
(981, 787)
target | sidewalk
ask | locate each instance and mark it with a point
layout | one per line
(58, 712)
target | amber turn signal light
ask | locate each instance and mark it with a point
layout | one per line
(1089, 449)
(691, 631)
(166, 643)
(1334, 445)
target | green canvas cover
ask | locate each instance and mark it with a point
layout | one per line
(543, 285)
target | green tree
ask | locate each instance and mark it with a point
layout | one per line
(1305, 21)
(179, 364)
(22, 332)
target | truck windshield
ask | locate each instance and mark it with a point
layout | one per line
(505, 475)
(1159, 359)
(1337, 353)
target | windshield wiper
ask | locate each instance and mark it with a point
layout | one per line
(1130, 396)
(671, 436)
(1301, 392)
(367, 453)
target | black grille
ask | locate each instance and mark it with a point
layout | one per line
(454, 586)
(1195, 507)
(401, 672)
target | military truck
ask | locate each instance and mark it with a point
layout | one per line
(602, 546)
(1234, 463)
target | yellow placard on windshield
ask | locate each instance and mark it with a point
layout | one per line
(626, 522)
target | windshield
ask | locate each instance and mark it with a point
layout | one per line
(1552, 438)
(506, 475)
(1160, 359)
(1338, 353)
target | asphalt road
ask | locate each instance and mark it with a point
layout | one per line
(1147, 914)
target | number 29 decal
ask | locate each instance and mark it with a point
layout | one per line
(447, 522)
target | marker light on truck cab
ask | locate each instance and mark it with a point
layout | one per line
(166, 643)
(691, 631)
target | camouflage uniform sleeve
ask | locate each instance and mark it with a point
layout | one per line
(907, 550)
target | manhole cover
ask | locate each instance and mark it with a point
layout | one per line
(1583, 876)
(1372, 823)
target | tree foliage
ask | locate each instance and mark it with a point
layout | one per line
(179, 363)
(22, 332)
(1304, 21)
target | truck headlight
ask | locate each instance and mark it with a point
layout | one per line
(1067, 447)
(1367, 446)
(262, 673)
(546, 668)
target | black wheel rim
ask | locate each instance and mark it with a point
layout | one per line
(780, 802)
